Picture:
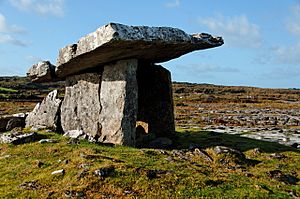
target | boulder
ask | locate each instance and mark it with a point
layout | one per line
(43, 71)
(46, 113)
(8, 122)
(18, 138)
(114, 42)
(76, 134)
(15, 122)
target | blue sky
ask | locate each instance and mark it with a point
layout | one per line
(262, 37)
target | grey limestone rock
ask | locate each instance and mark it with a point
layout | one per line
(43, 71)
(15, 122)
(8, 122)
(103, 105)
(46, 113)
(3, 122)
(114, 42)
(81, 107)
(119, 100)
(18, 138)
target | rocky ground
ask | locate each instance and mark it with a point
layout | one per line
(233, 142)
(266, 114)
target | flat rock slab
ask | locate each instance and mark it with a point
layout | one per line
(114, 42)
(18, 138)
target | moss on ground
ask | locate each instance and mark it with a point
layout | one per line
(174, 177)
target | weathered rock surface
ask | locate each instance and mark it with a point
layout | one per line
(114, 42)
(46, 113)
(103, 105)
(9, 122)
(81, 107)
(3, 123)
(119, 100)
(15, 122)
(43, 71)
(17, 138)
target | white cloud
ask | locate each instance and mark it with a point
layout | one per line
(237, 30)
(6, 38)
(293, 22)
(287, 54)
(42, 7)
(5, 28)
(208, 68)
(173, 4)
(7, 32)
(286, 72)
(290, 54)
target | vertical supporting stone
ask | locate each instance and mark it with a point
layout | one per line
(119, 100)
(81, 107)
(155, 99)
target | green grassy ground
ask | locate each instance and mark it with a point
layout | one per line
(194, 177)
(7, 90)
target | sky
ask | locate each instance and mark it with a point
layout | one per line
(262, 37)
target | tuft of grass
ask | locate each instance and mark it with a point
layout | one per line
(175, 178)
(7, 90)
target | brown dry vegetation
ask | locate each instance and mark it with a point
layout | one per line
(26, 169)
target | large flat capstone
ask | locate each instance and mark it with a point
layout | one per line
(114, 42)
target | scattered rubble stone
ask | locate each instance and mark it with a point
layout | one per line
(277, 156)
(30, 185)
(228, 150)
(18, 138)
(281, 177)
(58, 172)
(75, 194)
(48, 141)
(203, 154)
(105, 171)
(82, 174)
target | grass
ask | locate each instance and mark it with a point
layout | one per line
(193, 178)
(7, 90)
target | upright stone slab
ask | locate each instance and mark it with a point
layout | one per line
(155, 99)
(47, 113)
(119, 100)
(81, 107)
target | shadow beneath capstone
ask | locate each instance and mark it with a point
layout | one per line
(207, 139)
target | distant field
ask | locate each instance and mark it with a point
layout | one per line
(193, 103)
